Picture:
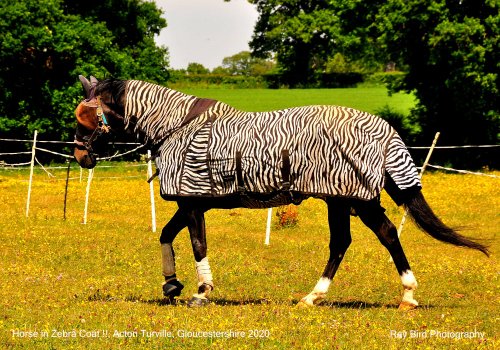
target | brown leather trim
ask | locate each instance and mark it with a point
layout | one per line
(199, 106)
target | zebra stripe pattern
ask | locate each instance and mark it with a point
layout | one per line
(333, 151)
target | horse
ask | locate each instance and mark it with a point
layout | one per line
(211, 155)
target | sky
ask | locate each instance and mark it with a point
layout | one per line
(205, 31)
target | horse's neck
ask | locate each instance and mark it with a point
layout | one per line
(153, 110)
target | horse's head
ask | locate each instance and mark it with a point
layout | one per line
(95, 119)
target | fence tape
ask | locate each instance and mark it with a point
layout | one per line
(37, 141)
(449, 147)
(14, 153)
(48, 173)
(461, 171)
(121, 154)
(99, 166)
(103, 177)
(56, 153)
(137, 143)
(101, 158)
(119, 177)
(65, 142)
(4, 165)
(125, 166)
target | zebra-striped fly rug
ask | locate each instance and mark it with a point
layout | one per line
(313, 150)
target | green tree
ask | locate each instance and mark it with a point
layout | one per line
(452, 52)
(449, 49)
(296, 32)
(220, 71)
(243, 63)
(238, 64)
(194, 68)
(305, 35)
(47, 43)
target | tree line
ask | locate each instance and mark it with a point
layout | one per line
(244, 70)
(47, 43)
(448, 51)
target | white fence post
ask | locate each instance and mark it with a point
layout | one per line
(87, 192)
(268, 226)
(31, 172)
(151, 194)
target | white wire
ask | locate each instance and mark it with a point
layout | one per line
(462, 171)
(48, 173)
(56, 153)
(13, 153)
(4, 165)
(448, 147)
(64, 142)
(121, 154)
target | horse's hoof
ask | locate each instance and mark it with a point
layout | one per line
(406, 306)
(172, 289)
(197, 302)
(304, 304)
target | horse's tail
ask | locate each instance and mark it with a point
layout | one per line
(425, 219)
(403, 185)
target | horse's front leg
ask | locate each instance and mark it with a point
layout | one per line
(196, 226)
(172, 287)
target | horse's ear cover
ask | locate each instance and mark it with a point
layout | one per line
(93, 80)
(85, 85)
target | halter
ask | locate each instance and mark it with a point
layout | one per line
(102, 128)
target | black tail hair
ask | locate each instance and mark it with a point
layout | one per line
(425, 219)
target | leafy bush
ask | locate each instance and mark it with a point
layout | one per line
(216, 80)
(390, 79)
(318, 80)
(407, 126)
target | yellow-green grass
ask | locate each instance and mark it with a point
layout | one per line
(105, 276)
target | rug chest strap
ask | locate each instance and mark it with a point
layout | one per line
(156, 173)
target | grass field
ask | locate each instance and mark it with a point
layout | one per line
(66, 285)
(369, 99)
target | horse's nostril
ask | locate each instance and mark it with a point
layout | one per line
(90, 161)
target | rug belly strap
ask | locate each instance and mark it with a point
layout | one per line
(239, 173)
(285, 170)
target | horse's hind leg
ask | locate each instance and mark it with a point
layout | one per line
(172, 287)
(372, 215)
(340, 239)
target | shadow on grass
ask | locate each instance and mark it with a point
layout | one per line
(358, 304)
(355, 304)
(216, 301)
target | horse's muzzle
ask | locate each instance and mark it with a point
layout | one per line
(86, 159)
